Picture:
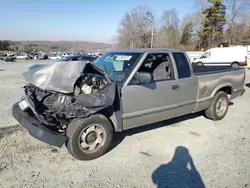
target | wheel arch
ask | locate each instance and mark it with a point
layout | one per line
(115, 118)
(200, 63)
(235, 62)
(226, 87)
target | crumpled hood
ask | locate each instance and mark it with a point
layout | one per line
(57, 76)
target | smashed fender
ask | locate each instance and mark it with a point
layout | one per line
(51, 92)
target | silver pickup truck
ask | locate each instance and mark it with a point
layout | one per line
(82, 104)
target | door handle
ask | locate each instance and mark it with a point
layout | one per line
(175, 87)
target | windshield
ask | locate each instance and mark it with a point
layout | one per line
(117, 64)
(205, 55)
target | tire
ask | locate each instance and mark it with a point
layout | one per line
(213, 112)
(199, 63)
(235, 65)
(84, 134)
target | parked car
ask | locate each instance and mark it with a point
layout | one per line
(82, 104)
(21, 56)
(2, 56)
(44, 56)
(77, 58)
(8, 57)
(224, 56)
(37, 55)
(54, 57)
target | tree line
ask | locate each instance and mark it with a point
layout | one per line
(51, 46)
(5, 45)
(213, 23)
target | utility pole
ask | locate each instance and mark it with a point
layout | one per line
(152, 37)
(132, 43)
(133, 40)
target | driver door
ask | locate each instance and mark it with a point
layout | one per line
(151, 102)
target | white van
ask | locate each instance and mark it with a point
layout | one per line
(224, 56)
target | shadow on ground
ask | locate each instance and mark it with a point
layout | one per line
(179, 172)
(119, 137)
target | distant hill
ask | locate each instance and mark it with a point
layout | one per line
(50, 46)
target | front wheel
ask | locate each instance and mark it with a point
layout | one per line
(89, 138)
(219, 107)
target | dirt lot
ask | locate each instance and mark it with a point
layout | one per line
(185, 152)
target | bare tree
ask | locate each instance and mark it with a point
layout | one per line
(241, 31)
(200, 6)
(135, 28)
(236, 9)
(169, 33)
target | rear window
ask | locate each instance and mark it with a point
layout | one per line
(182, 65)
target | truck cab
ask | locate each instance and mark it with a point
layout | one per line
(161, 82)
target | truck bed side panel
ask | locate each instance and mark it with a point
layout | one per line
(211, 82)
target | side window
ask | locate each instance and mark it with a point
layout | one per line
(158, 66)
(182, 65)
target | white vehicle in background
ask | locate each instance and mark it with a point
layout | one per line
(21, 56)
(224, 56)
(54, 57)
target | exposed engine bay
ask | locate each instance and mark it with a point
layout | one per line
(90, 83)
(92, 92)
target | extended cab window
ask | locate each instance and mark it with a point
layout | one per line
(182, 65)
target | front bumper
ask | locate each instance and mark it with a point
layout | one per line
(37, 129)
(243, 64)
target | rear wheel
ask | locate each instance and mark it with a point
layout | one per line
(235, 65)
(219, 107)
(89, 138)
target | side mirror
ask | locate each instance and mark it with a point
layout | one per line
(143, 77)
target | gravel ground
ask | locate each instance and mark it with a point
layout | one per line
(190, 152)
(11, 82)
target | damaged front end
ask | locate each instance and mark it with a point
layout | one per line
(59, 92)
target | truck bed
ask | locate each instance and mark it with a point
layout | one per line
(211, 79)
